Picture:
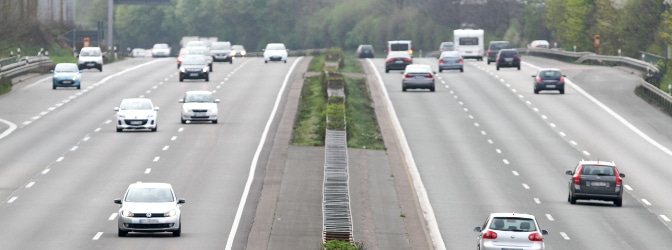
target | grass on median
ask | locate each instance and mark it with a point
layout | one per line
(309, 127)
(363, 130)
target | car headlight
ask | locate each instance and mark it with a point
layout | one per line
(126, 213)
(170, 213)
(186, 110)
(243, 52)
(233, 53)
(121, 116)
(182, 69)
(205, 69)
(74, 78)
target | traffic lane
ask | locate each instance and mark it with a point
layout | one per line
(628, 134)
(125, 154)
(529, 163)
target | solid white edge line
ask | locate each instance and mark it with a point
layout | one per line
(419, 187)
(665, 218)
(253, 165)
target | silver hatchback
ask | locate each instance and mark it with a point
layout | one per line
(510, 231)
(418, 76)
(149, 207)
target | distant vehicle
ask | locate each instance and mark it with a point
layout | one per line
(222, 52)
(446, 46)
(136, 113)
(510, 231)
(508, 58)
(400, 45)
(139, 53)
(238, 51)
(596, 180)
(90, 58)
(494, 47)
(180, 56)
(204, 51)
(275, 52)
(540, 44)
(194, 67)
(469, 43)
(397, 60)
(66, 75)
(199, 106)
(418, 76)
(451, 60)
(161, 50)
(365, 51)
(149, 207)
(192, 44)
(549, 79)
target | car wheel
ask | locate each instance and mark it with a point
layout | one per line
(387, 70)
(403, 88)
(231, 61)
(497, 67)
(214, 121)
(536, 90)
(100, 68)
(571, 199)
(53, 87)
(518, 67)
(462, 70)
(285, 61)
(618, 202)
(440, 70)
(207, 78)
(119, 129)
(488, 62)
(79, 87)
(210, 67)
(155, 128)
(265, 61)
(562, 91)
(431, 89)
(178, 232)
(181, 79)
(183, 121)
(122, 233)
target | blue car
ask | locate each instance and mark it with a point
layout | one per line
(66, 75)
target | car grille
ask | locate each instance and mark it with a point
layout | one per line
(194, 70)
(136, 121)
(200, 110)
(144, 215)
(149, 226)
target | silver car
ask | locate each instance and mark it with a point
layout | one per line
(149, 207)
(451, 60)
(510, 231)
(418, 76)
(136, 113)
(199, 106)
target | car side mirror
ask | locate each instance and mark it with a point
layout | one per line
(477, 229)
(81, 71)
(116, 108)
(181, 201)
(51, 71)
(569, 172)
(533, 76)
(544, 232)
(622, 175)
(564, 76)
(434, 72)
(117, 201)
(217, 101)
(156, 108)
(181, 101)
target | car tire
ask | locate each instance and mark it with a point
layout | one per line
(518, 67)
(178, 232)
(432, 89)
(122, 233)
(210, 68)
(387, 70)
(619, 202)
(207, 78)
(440, 70)
(231, 61)
(181, 79)
(488, 62)
(497, 67)
(53, 87)
(120, 129)
(285, 61)
(265, 61)
(155, 128)
(183, 121)
(214, 121)
(79, 87)
(403, 88)
(100, 68)
(562, 91)
(571, 199)
(462, 70)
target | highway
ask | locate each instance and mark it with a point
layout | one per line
(482, 143)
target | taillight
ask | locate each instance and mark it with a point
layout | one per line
(577, 176)
(518, 57)
(562, 80)
(460, 60)
(538, 79)
(488, 52)
(429, 76)
(408, 76)
(441, 61)
(619, 181)
(535, 237)
(389, 60)
(408, 60)
(489, 235)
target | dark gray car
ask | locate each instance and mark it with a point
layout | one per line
(596, 180)
(494, 48)
(549, 79)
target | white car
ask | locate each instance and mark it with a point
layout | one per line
(161, 50)
(149, 207)
(275, 52)
(136, 113)
(510, 231)
(199, 106)
(90, 58)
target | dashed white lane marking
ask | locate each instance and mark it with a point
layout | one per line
(157, 158)
(646, 202)
(165, 148)
(564, 235)
(86, 138)
(180, 129)
(483, 132)
(665, 218)
(628, 187)
(506, 161)
(536, 110)
(97, 236)
(586, 153)
(74, 148)
(30, 184)
(11, 200)
(60, 159)
(499, 151)
(552, 125)
(46, 171)
(97, 130)
(537, 200)
(113, 216)
(108, 121)
(544, 117)
(549, 217)
(573, 143)
(490, 141)
(148, 170)
(173, 138)
(476, 124)
(515, 173)
(526, 186)
(562, 134)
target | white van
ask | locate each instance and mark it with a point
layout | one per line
(469, 43)
(400, 45)
(90, 58)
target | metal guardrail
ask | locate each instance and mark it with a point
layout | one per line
(24, 65)
(581, 57)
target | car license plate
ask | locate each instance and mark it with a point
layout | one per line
(398, 61)
(147, 221)
(193, 74)
(418, 77)
(550, 86)
(468, 52)
(199, 114)
(90, 64)
(136, 122)
(67, 82)
(597, 184)
(508, 59)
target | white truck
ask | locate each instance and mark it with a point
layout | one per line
(469, 42)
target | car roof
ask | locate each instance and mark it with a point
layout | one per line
(150, 185)
(198, 92)
(598, 162)
(499, 41)
(516, 215)
(136, 100)
(418, 66)
(452, 53)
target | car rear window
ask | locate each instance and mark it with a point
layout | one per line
(550, 74)
(513, 224)
(468, 41)
(399, 46)
(499, 46)
(598, 170)
(509, 53)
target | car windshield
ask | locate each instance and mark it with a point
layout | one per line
(513, 224)
(66, 67)
(399, 46)
(275, 47)
(418, 69)
(198, 98)
(90, 53)
(149, 195)
(194, 60)
(237, 47)
(499, 46)
(204, 52)
(509, 53)
(220, 46)
(550, 74)
(597, 170)
(160, 46)
(135, 105)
